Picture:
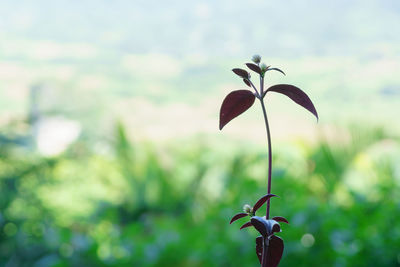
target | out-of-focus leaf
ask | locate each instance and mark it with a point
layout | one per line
(254, 67)
(280, 219)
(241, 72)
(281, 71)
(238, 216)
(296, 94)
(265, 227)
(235, 104)
(247, 82)
(248, 224)
(261, 201)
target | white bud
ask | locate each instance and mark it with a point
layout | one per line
(247, 208)
(256, 59)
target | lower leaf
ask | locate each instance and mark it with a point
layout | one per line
(274, 253)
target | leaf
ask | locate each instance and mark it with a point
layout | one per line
(296, 94)
(275, 251)
(265, 227)
(241, 72)
(248, 224)
(259, 247)
(281, 71)
(238, 216)
(254, 67)
(247, 82)
(276, 227)
(235, 104)
(261, 201)
(280, 219)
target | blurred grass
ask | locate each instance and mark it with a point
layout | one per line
(135, 204)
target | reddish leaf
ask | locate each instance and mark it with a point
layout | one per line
(241, 72)
(235, 104)
(247, 82)
(254, 67)
(265, 227)
(248, 224)
(259, 248)
(275, 251)
(261, 201)
(276, 70)
(276, 228)
(296, 94)
(238, 216)
(280, 219)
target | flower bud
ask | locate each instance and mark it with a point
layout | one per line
(263, 67)
(256, 59)
(247, 208)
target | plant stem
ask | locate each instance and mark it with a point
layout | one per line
(269, 154)
(264, 253)
(257, 93)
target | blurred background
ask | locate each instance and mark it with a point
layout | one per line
(110, 153)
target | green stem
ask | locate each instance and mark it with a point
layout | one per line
(269, 153)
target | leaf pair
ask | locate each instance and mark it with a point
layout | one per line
(265, 227)
(237, 102)
(256, 206)
(274, 244)
(274, 251)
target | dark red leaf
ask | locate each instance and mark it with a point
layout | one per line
(265, 227)
(275, 251)
(247, 82)
(238, 216)
(261, 201)
(241, 72)
(296, 94)
(260, 225)
(276, 228)
(248, 224)
(254, 67)
(276, 70)
(235, 104)
(280, 219)
(259, 248)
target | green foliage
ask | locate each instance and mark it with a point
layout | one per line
(140, 206)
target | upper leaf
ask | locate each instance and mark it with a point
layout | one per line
(281, 71)
(296, 94)
(248, 224)
(242, 73)
(254, 67)
(234, 104)
(261, 201)
(280, 219)
(247, 82)
(238, 216)
(265, 227)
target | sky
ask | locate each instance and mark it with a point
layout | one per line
(163, 68)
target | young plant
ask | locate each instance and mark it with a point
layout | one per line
(269, 247)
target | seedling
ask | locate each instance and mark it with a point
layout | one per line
(269, 247)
